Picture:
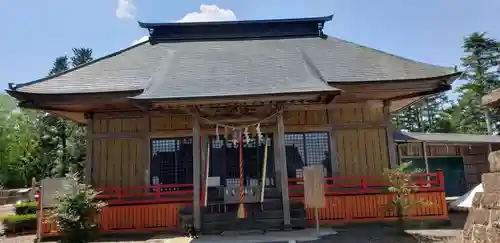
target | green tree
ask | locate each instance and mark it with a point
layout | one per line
(62, 143)
(479, 63)
(425, 116)
(18, 143)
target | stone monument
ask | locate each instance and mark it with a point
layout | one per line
(483, 222)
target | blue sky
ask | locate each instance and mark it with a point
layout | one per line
(34, 33)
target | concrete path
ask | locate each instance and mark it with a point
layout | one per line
(278, 236)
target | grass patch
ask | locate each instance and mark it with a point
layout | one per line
(26, 208)
(16, 223)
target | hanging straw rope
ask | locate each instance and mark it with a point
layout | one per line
(264, 170)
(242, 127)
(241, 209)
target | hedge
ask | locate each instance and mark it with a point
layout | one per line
(26, 208)
(19, 223)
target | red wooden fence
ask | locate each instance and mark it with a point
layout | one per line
(349, 199)
(137, 209)
(366, 198)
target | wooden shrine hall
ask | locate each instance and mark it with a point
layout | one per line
(204, 118)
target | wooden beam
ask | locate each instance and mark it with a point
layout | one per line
(196, 171)
(241, 99)
(117, 114)
(232, 119)
(390, 138)
(283, 166)
(360, 125)
(89, 157)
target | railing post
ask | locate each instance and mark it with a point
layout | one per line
(419, 181)
(440, 178)
(157, 188)
(363, 183)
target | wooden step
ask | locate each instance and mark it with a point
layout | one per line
(217, 227)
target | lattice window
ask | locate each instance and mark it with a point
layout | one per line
(171, 161)
(303, 149)
(224, 161)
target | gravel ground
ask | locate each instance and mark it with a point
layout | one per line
(359, 234)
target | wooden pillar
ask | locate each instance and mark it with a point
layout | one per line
(390, 138)
(333, 147)
(400, 159)
(196, 171)
(426, 160)
(89, 157)
(277, 164)
(283, 166)
(147, 149)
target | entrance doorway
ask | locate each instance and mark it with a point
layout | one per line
(224, 167)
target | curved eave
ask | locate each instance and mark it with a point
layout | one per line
(492, 99)
(449, 78)
(212, 23)
(329, 94)
(71, 97)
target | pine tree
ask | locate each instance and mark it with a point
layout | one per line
(62, 143)
(482, 56)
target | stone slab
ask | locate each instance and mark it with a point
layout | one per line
(278, 236)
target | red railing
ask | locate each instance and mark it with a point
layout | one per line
(352, 199)
(344, 185)
(173, 193)
(135, 209)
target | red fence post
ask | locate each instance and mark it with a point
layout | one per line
(363, 183)
(440, 178)
(419, 181)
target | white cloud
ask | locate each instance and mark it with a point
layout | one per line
(126, 9)
(207, 13)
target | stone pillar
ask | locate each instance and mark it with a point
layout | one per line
(483, 222)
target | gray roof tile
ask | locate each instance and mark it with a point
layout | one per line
(445, 137)
(238, 67)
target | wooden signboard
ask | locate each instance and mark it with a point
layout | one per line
(314, 186)
(314, 190)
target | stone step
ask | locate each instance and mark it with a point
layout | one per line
(217, 227)
(233, 216)
(221, 207)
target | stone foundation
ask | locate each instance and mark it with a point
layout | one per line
(483, 222)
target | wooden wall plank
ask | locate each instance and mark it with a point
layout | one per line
(359, 147)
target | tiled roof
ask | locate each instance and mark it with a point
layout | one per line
(445, 137)
(207, 68)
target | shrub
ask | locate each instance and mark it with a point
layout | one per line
(400, 184)
(26, 208)
(75, 212)
(18, 223)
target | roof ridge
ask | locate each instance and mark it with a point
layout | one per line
(17, 86)
(389, 54)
